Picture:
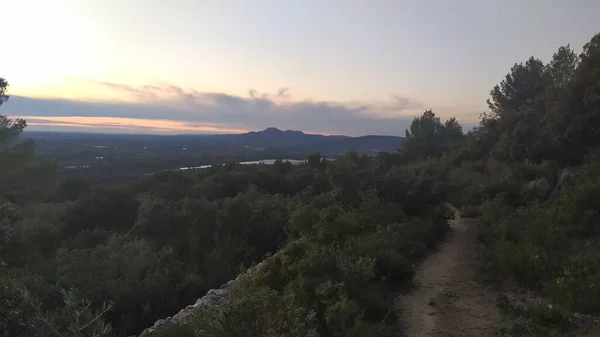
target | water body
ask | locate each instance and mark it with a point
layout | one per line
(185, 168)
(254, 162)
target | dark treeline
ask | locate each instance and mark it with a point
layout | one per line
(101, 158)
(338, 238)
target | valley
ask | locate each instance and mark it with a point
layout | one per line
(90, 156)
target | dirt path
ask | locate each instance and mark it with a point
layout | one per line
(446, 300)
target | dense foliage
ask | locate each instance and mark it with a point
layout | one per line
(529, 170)
(122, 256)
(338, 238)
(531, 167)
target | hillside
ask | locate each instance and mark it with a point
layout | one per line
(124, 157)
(492, 232)
(363, 145)
(269, 139)
(273, 137)
(298, 142)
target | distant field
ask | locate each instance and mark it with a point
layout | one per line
(122, 157)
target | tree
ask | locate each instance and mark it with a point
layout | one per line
(3, 88)
(429, 137)
(74, 319)
(19, 178)
(552, 141)
(562, 68)
(315, 160)
(8, 217)
(71, 190)
(451, 134)
(8, 129)
(586, 113)
(528, 110)
(421, 138)
(518, 91)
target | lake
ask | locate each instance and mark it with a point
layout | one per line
(254, 162)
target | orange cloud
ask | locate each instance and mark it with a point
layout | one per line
(126, 123)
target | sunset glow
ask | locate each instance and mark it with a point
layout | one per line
(158, 125)
(433, 54)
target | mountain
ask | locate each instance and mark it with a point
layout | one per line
(274, 138)
(271, 142)
(300, 142)
(365, 144)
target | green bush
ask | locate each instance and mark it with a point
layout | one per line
(551, 246)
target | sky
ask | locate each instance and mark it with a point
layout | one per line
(220, 66)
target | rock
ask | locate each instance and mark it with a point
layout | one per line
(217, 292)
(228, 285)
(159, 323)
(212, 298)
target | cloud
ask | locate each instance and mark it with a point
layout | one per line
(282, 92)
(126, 124)
(402, 103)
(169, 108)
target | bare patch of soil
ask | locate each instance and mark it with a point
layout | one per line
(447, 300)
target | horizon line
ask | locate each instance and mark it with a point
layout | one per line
(113, 133)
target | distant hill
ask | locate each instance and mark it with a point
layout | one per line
(300, 142)
(270, 141)
(273, 137)
(364, 144)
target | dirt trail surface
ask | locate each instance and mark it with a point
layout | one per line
(446, 300)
